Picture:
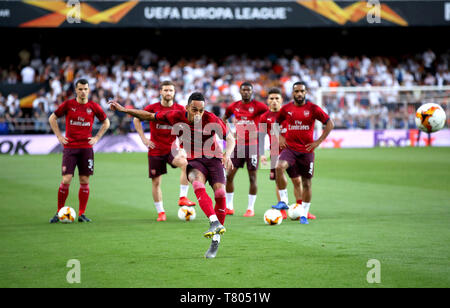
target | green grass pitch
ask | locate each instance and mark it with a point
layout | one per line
(388, 204)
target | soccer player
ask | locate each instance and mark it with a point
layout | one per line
(78, 142)
(247, 113)
(297, 156)
(159, 149)
(274, 101)
(197, 130)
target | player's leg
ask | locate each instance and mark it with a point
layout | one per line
(83, 197)
(281, 181)
(157, 197)
(156, 168)
(68, 165)
(306, 169)
(180, 161)
(220, 207)
(197, 174)
(298, 193)
(230, 190)
(306, 196)
(252, 161)
(85, 165)
(252, 193)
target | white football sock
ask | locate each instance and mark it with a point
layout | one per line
(184, 190)
(229, 197)
(284, 196)
(251, 202)
(306, 206)
(159, 207)
(213, 218)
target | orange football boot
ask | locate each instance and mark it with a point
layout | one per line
(184, 201)
(161, 216)
(249, 213)
(229, 212)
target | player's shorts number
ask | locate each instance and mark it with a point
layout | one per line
(311, 168)
(254, 160)
(91, 164)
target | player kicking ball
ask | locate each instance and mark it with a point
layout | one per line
(197, 130)
(160, 147)
(78, 144)
(297, 156)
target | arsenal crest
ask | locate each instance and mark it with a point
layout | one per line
(251, 109)
(89, 110)
(306, 113)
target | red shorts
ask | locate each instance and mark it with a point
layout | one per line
(211, 168)
(245, 154)
(300, 164)
(83, 158)
(157, 165)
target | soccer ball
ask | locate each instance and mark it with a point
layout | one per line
(430, 118)
(186, 213)
(67, 214)
(294, 211)
(273, 217)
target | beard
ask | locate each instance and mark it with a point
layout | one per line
(299, 101)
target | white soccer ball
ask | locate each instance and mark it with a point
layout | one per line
(273, 217)
(430, 118)
(186, 213)
(295, 211)
(67, 214)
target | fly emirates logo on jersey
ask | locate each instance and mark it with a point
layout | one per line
(79, 122)
(245, 121)
(298, 126)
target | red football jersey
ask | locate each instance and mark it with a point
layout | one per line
(270, 118)
(300, 124)
(161, 133)
(79, 120)
(247, 119)
(189, 134)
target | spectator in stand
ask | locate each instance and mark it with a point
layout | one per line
(28, 74)
(137, 79)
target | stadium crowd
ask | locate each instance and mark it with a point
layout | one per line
(135, 80)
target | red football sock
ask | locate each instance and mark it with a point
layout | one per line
(204, 200)
(221, 205)
(63, 192)
(299, 201)
(83, 196)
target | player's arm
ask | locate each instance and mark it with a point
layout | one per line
(141, 114)
(100, 133)
(281, 117)
(228, 113)
(262, 140)
(138, 125)
(53, 121)
(326, 131)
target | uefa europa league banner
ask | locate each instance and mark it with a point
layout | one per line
(223, 14)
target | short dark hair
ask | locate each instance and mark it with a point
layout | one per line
(246, 84)
(82, 81)
(196, 96)
(166, 83)
(300, 83)
(274, 91)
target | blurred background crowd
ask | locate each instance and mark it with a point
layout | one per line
(135, 79)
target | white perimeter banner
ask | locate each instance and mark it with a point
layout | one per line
(45, 144)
